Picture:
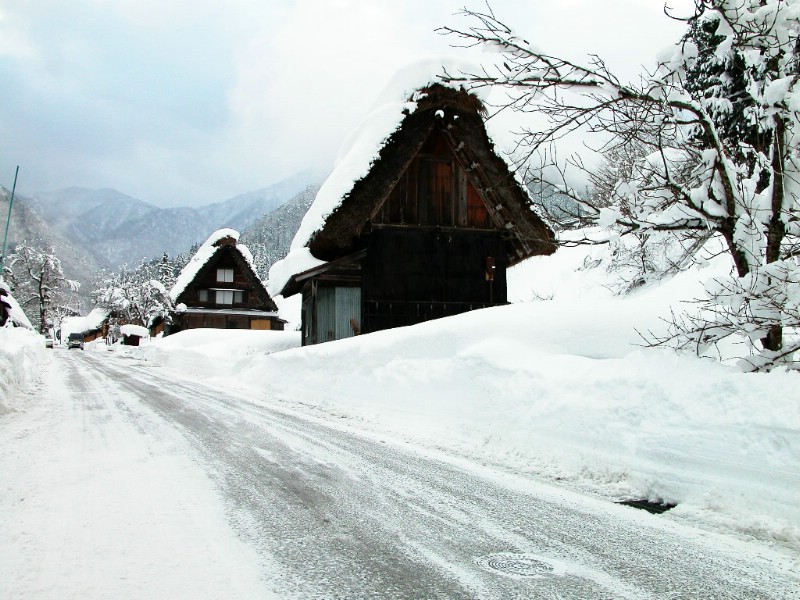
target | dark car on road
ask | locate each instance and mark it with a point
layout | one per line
(75, 340)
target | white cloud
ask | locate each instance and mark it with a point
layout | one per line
(13, 43)
(193, 101)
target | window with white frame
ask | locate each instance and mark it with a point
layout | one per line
(228, 296)
(225, 275)
(224, 297)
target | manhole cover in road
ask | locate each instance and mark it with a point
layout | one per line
(515, 565)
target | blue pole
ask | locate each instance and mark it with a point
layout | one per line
(8, 221)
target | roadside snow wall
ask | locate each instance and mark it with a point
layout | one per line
(21, 350)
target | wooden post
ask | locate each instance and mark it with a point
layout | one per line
(8, 221)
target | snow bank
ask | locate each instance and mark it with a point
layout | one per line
(17, 315)
(560, 388)
(21, 351)
(216, 354)
(541, 389)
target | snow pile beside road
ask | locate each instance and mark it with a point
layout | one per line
(519, 387)
(216, 353)
(21, 350)
(561, 388)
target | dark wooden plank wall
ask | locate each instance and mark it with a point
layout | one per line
(410, 276)
(209, 280)
(435, 190)
(200, 321)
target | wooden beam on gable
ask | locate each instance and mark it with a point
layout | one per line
(400, 173)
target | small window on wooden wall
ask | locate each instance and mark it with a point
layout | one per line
(202, 295)
(229, 296)
(224, 297)
(225, 275)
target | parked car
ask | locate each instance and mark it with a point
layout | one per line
(75, 340)
(48, 341)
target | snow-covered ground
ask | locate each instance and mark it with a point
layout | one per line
(100, 498)
(557, 384)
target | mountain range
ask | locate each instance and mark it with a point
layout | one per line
(94, 230)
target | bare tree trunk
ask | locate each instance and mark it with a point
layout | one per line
(42, 308)
(776, 230)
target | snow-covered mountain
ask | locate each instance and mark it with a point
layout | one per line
(28, 225)
(86, 214)
(244, 210)
(115, 229)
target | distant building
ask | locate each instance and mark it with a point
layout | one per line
(428, 232)
(133, 334)
(219, 288)
(91, 326)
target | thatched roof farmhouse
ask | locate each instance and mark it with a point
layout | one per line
(427, 232)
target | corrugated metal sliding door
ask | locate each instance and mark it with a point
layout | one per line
(348, 311)
(338, 310)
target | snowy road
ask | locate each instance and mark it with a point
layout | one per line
(255, 499)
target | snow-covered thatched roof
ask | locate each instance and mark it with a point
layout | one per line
(85, 324)
(378, 152)
(205, 253)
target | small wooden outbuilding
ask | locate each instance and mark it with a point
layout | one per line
(428, 232)
(93, 326)
(132, 335)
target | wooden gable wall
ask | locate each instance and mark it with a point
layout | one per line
(225, 258)
(435, 190)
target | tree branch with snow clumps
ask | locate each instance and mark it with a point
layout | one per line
(717, 122)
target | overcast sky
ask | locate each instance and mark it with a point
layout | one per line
(186, 102)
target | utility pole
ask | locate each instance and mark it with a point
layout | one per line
(8, 221)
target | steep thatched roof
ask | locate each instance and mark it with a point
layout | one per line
(458, 115)
(222, 243)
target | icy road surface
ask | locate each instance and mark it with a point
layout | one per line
(119, 479)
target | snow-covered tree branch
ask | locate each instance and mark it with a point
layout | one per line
(138, 295)
(716, 126)
(35, 276)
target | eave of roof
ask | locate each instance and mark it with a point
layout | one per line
(506, 200)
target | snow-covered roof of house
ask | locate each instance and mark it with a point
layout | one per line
(137, 330)
(363, 150)
(85, 324)
(15, 313)
(204, 254)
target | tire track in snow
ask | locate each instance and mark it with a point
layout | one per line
(348, 517)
